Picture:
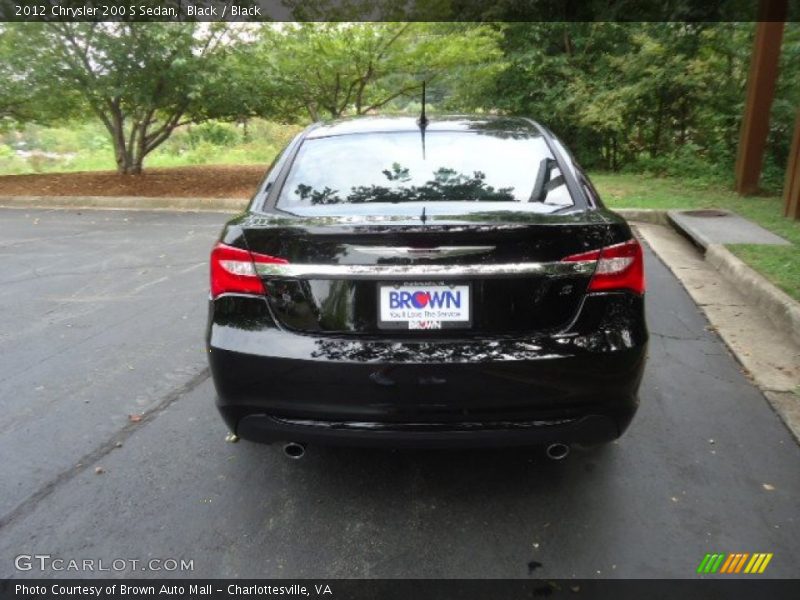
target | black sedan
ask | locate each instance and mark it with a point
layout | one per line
(447, 282)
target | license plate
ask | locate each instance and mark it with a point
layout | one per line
(424, 306)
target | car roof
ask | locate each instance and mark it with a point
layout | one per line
(384, 124)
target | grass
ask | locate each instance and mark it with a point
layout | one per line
(779, 264)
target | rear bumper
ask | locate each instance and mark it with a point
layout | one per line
(579, 385)
(587, 429)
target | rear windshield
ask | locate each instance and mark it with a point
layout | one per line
(444, 171)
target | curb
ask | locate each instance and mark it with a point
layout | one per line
(126, 203)
(684, 222)
(644, 215)
(778, 307)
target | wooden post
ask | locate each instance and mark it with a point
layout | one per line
(760, 92)
(791, 188)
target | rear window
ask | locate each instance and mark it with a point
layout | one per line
(475, 170)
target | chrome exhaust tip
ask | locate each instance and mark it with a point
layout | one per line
(294, 450)
(557, 451)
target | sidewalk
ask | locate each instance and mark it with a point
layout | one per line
(769, 355)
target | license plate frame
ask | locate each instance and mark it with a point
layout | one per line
(431, 324)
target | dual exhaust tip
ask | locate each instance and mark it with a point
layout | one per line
(296, 451)
(557, 451)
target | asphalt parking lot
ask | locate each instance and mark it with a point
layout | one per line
(102, 317)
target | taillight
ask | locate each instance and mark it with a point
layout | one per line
(619, 267)
(233, 270)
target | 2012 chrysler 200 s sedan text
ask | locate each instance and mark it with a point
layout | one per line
(444, 282)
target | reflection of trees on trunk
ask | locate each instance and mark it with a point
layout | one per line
(335, 307)
(454, 352)
(485, 351)
(446, 185)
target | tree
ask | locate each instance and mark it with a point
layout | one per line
(24, 96)
(142, 80)
(333, 69)
(657, 96)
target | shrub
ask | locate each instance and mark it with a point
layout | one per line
(213, 133)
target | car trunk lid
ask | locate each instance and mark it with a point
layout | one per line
(491, 273)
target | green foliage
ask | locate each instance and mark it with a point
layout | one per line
(660, 98)
(334, 69)
(214, 134)
(688, 161)
(24, 93)
(777, 263)
(140, 80)
(663, 98)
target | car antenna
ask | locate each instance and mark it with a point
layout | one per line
(423, 121)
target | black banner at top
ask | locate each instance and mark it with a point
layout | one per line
(399, 10)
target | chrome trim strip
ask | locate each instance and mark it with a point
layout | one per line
(423, 426)
(411, 252)
(413, 272)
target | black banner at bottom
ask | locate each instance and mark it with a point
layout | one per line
(391, 589)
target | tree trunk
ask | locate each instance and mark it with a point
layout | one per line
(136, 166)
(139, 149)
(656, 144)
(129, 153)
(121, 153)
(684, 122)
(130, 150)
(567, 42)
(129, 161)
(124, 161)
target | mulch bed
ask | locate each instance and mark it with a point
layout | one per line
(216, 181)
